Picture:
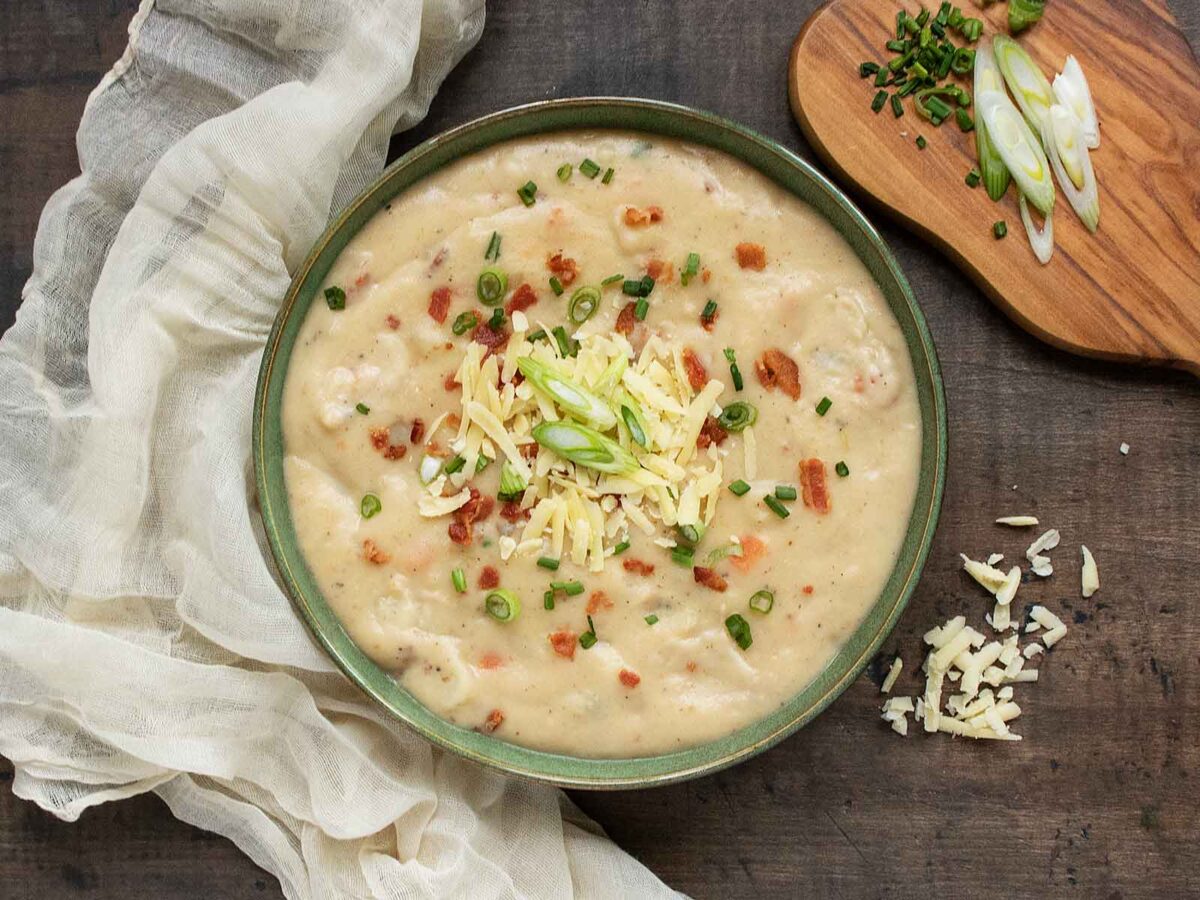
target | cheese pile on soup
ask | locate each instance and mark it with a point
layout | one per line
(600, 444)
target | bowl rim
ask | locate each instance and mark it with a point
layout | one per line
(664, 120)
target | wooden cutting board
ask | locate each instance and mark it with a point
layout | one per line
(1131, 292)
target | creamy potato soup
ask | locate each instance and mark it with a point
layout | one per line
(600, 443)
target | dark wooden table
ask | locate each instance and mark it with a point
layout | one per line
(1099, 800)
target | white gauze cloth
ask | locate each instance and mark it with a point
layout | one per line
(144, 644)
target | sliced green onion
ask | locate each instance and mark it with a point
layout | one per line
(785, 492)
(564, 172)
(636, 433)
(897, 106)
(362, 408)
(502, 605)
(556, 286)
(1071, 90)
(1042, 241)
(493, 247)
(739, 488)
(567, 346)
(1025, 80)
(762, 601)
(453, 465)
(999, 229)
(734, 372)
(608, 176)
(776, 507)
(430, 468)
(896, 46)
(1019, 149)
(548, 600)
(589, 168)
(528, 193)
(585, 447)
(921, 142)
(739, 630)
(570, 588)
(640, 309)
(973, 178)
(842, 469)
(588, 639)
(1064, 140)
(583, 304)
(963, 61)
(684, 556)
(1024, 13)
(548, 562)
(611, 377)
(691, 268)
(882, 77)
(719, 553)
(459, 578)
(692, 534)
(971, 29)
(512, 485)
(880, 99)
(620, 548)
(534, 336)
(464, 322)
(496, 322)
(988, 78)
(568, 394)
(737, 416)
(369, 506)
(964, 120)
(867, 69)
(823, 406)
(611, 279)
(481, 463)
(491, 287)
(652, 619)
(335, 297)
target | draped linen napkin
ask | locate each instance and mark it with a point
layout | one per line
(144, 644)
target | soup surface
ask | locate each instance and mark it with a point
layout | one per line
(688, 546)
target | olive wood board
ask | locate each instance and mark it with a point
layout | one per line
(1130, 292)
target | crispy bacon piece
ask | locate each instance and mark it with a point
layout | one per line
(775, 369)
(511, 511)
(381, 440)
(489, 578)
(493, 721)
(450, 382)
(626, 321)
(752, 551)
(528, 451)
(564, 267)
(439, 304)
(393, 322)
(629, 679)
(564, 643)
(812, 485)
(523, 298)
(705, 275)
(808, 589)
(598, 601)
(751, 256)
(691, 666)
(711, 433)
(417, 432)
(491, 661)
(372, 554)
(697, 375)
(478, 508)
(640, 218)
(662, 272)
(709, 578)
(493, 340)
(638, 567)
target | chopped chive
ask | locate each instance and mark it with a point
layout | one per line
(564, 172)
(710, 309)
(589, 168)
(556, 286)
(459, 578)
(842, 469)
(493, 247)
(567, 346)
(823, 406)
(964, 120)
(652, 619)
(464, 322)
(369, 506)
(496, 322)
(539, 335)
(785, 492)
(776, 507)
(999, 230)
(734, 372)
(880, 99)
(528, 193)
(362, 408)
(647, 285)
(640, 309)
(897, 106)
(570, 588)
(921, 142)
(739, 488)
(548, 600)
(588, 638)
(335, 297)
(762, 601)
(611, 279)
(867, 69)
(973, 178)
(454, 465)
(620, 548)
(608, 175)
(632, 288)
(685, 556)
(739, 630)
(690, 269)
(548, 562)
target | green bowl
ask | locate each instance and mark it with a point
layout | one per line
(667, 120)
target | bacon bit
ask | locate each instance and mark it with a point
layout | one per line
(808, 589)
(638, 567)
(491, 661)
(629, 679)
(639, 218)
(528, 451)
(478, 508)
(393, 322)
(697, 375)
(489, 578)
(372, 554)
(691, 666)
(564, 643)
(494, 720)
(753, 550)
(626, 320)
(493, 340)
(709, 578)
(523, 298)
(450, 382)
(711, 433)
(598, 601)
(812, 485)
(709, 322)
(362, 279)
(775, 369)
(511, 511)
(381, 440)
(453, 420)
(417, 432)
(439, 304)
(459, 533)
(751, 256)
(705, 275)
(662, 272)
(564, 267)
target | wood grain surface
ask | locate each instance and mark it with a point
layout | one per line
(1129, 292)
(1098, 801)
